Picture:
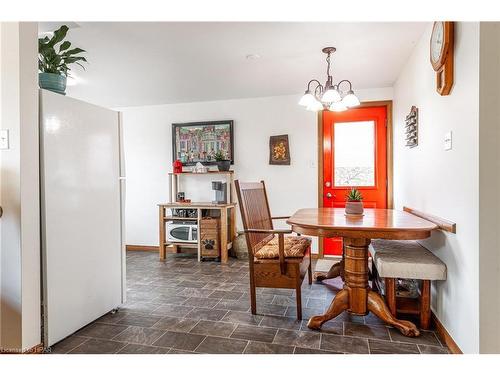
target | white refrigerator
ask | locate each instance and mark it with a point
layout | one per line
(82, 207)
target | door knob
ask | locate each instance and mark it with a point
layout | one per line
(328, 195)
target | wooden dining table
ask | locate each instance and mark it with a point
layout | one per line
(356, 296)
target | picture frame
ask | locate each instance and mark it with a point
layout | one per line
(279, 150)
(194, 142)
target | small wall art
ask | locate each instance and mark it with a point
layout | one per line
(411, 128)
(279, 150)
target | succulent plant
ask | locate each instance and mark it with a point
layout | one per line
(220, 156)
(354, 195)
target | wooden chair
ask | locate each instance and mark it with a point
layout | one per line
(274, 262)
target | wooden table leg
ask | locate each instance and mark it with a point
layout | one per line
(232, 221)
(356, 274)
(336, 270)
(223, 235)
(161, 240)
(377, 306)
(338, 305)
(356, 297)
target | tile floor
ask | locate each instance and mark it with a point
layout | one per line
(182, 306)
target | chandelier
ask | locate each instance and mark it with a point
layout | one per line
(338, 97)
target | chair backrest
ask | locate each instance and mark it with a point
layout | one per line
(255, 214)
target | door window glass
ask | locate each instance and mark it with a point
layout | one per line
(354, 153)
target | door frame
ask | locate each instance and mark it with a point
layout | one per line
(390, 199)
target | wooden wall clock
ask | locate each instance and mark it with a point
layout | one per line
(441, 54)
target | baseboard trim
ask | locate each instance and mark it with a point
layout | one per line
(141, 248)
(445, 336)
(155, 248)
(331, 257)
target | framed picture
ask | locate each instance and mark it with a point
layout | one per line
(279, 150)
(194, 142)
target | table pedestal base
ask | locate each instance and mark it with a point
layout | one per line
(357, 297)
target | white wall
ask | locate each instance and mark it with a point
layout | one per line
(0, 185)
(489, 187)
(148, 154)
(445, 183)
(19, 189)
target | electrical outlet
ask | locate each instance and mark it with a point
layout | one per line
(4, 139)
(448, 144)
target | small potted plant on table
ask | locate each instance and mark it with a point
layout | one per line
(54, 65)
(354, 203)
(223, 164)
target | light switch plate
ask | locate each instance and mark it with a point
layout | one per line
(4, 139)
(448, 143)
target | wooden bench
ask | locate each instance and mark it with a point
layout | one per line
(409, 260)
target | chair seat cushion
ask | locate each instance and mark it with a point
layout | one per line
(406, 260)
(295, 247)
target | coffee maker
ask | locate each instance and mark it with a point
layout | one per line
(220, 189)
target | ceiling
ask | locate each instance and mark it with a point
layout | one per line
(139, 63)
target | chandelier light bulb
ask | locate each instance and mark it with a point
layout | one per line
(315, 106)
(350, 100)
(307, 99)
(331, 96)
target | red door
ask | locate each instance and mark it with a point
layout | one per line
(354, 155)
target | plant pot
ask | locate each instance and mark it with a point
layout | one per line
(52, 82)
(223, 165)
(354, 208)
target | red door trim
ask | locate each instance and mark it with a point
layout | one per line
(390, 198)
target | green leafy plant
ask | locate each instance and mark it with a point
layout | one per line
(220, 156)
(58, 62)
(354, 195)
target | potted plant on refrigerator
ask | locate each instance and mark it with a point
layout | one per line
(223, 164)
(54, 62)
(354, 203)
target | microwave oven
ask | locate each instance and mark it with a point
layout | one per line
(182, 231)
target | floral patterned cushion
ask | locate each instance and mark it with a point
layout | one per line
(295, 247)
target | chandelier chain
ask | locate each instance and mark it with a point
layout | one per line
(328, 64)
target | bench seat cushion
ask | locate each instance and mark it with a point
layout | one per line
(406, 260)
(295, 247)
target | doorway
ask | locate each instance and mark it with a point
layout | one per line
(355, 151)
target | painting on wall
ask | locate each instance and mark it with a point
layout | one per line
(195, 142)
(279, 150)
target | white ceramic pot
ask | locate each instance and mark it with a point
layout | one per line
(354, 208)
